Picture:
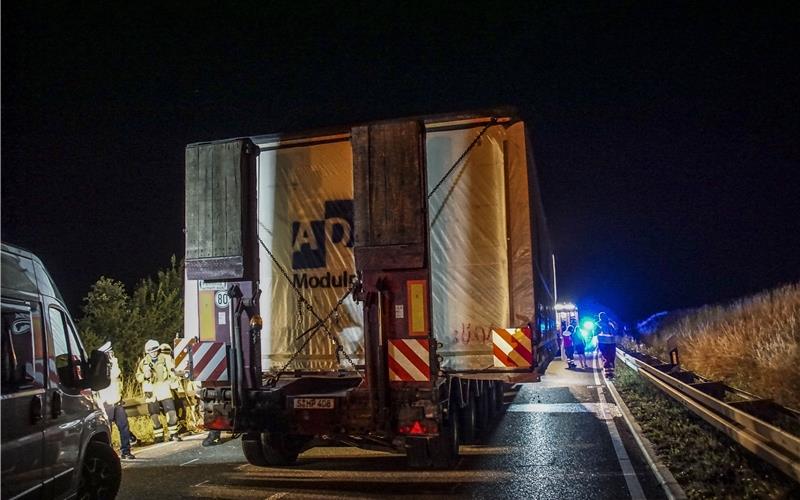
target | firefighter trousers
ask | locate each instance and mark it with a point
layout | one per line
(166, 406)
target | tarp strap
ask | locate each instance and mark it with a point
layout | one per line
(493, 121)
(321, 322)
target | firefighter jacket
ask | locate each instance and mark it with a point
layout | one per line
(161, 381)
(112, 394)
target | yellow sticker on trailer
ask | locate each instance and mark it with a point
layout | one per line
(207, 310)
(417, 308)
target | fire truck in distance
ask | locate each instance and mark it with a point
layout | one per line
(376, 285)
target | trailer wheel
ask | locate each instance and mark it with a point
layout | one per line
(469, 420)
(264, 449)
(282, 449)
(444, 449)
(499, 398)
(483, 417)
(253, 449)
(491, 401)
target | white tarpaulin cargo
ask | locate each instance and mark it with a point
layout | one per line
(480, 240)
(305, 213)
(480, 244)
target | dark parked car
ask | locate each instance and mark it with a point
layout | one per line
(56, 442)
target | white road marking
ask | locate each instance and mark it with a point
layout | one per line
(602, 409)
(423, 476)
(632, 481)
(201, 483)
(190, 461)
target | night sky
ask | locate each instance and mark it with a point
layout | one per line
(667, 139)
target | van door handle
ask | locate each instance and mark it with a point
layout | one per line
(36, 409)
(55, 407)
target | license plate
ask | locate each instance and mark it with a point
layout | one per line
(313, 403)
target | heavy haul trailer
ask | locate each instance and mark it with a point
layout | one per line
(402, 271)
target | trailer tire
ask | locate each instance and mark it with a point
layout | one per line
(491, 399)
(483, 417)
(282, 449)
(445, 448)
(253, 449)
(469, 420)
(272, 450)
(499, 395)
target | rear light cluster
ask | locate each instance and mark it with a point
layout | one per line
(219, 423)
(419, 427)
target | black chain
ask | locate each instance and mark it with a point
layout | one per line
(321, 322)
(493, 121)
(312, 331)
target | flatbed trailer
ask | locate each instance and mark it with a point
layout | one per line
(376, 285)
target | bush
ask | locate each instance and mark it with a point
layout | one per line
(154, 311)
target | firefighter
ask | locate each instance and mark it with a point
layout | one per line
(183, 393)
(156, 373)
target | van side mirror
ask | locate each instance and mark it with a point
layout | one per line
(99, 371)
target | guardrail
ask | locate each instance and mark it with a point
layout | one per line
(744, 417)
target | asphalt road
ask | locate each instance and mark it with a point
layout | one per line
(554, 441)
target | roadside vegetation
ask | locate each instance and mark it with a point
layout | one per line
(154, 310)
(705, 462)
(752, 344)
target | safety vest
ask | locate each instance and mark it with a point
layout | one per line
(606, 333)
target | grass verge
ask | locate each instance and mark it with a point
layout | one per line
(705, 462)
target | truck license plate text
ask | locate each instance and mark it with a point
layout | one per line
(313, 403)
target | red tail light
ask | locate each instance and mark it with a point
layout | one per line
(419, 427)
(219, 424)
(416, 428)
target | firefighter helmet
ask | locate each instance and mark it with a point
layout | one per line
(165, 348)
(150, 346)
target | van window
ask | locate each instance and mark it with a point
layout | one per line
(46, 284)
(22, 352)
(67, 350)
(17, 273)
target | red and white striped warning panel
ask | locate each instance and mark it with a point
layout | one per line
(512, 347)
(409, 360)
(180, 351)
(209, 362)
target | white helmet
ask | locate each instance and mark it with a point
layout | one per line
(150, 346)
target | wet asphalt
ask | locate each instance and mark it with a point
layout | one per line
(553, 441)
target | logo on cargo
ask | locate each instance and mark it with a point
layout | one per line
(311, 241)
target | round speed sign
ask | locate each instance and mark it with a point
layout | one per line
(222, 299)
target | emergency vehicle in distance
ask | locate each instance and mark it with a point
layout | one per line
(566, 312)
(374, 286)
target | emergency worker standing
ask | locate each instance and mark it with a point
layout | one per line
(111, 397)
(578, 342)
(566, 341)
(606, 342)
(182, 394)
(156, 373)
